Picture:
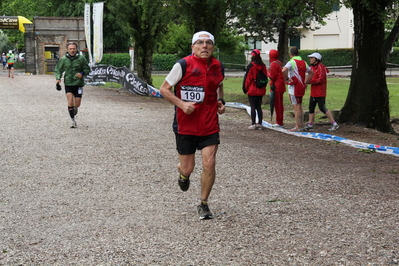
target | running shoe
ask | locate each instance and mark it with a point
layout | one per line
(204, 212)
(74, 125)
(252, 127)
(277, 126)
(184, 182)
(259, 126)
(308, 127)
(333, 127)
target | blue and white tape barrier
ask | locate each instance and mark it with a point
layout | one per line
(357, 144)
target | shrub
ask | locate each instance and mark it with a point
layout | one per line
(163, 62)
(233, 61)
(19, 65)
(116, 60)
(332, 57)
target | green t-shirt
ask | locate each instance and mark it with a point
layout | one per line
(10, 58)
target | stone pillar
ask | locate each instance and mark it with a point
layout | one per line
(30, 48)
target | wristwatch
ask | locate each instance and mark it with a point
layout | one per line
(222, 100)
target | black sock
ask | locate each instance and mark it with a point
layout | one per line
(71, 112)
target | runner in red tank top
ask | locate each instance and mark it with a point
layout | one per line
(198, 99)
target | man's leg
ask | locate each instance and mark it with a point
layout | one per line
(208, 170)
(71, 110)
(78, 101)
(207, 180)
(185, 167)
(298, 115)
(186, 164)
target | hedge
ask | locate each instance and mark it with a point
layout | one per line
(165, 62)
(344, 56)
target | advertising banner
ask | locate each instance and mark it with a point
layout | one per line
(14, 23)
(9, 23)
(98, 9)
(87, 21)
(121, 75)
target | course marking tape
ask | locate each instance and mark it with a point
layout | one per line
(357, 144)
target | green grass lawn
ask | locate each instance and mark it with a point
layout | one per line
(337, 92)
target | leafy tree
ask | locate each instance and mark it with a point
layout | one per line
(4, 45)
(367, 103)
(261, 19)
(177, 40)
(208, 15)
(144, 21)
(114, 39)
(172, 40)
(198, 15)
(24, 8)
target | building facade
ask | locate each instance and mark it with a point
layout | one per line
(337, 33)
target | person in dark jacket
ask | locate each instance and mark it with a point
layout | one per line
(75, 66)
(255, 94)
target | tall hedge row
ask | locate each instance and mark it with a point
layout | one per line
(332, 57)
(165, 62)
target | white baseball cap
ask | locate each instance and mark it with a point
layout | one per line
(315, 55)
(197, 35)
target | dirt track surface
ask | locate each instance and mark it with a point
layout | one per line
(106, 193)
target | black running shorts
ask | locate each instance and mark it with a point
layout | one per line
(75, 90)
(188, 144)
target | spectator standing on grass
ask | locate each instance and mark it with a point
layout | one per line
(250, 88)
(75, 67)
(318, 92)
(10, 63)
(198, 99)
(295, 77)
(277, 85)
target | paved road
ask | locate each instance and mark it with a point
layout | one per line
(106, 193)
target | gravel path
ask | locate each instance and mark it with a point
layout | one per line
(106, 193)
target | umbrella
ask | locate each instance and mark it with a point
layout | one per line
(271, 97)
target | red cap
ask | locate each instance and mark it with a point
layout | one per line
(255, 52)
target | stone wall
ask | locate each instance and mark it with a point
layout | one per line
(51, 33)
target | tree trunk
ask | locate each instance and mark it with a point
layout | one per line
(282, 45)
(367, 103)
(144, 63)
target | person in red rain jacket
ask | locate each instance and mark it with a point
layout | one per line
(254, 93)
(318, 92)
(277, 84)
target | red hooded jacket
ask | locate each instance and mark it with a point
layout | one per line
(275, 72)
(249, 84)
(318, 82)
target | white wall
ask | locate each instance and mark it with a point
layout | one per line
(337, 33)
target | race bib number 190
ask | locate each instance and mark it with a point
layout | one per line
(192, 93)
